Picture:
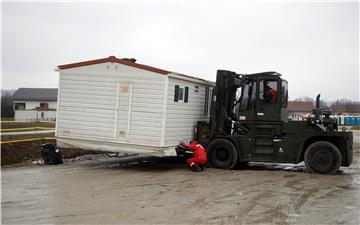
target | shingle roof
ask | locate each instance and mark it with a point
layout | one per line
(36, 94)
(300, 106)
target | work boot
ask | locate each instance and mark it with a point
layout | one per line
(195, 167)
(202, 167)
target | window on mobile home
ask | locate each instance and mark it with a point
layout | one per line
(181, 94)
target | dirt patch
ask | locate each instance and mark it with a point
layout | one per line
(23, 152)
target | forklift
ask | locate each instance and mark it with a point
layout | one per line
(249, 123)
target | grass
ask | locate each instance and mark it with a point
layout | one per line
(7, 119)
(7, 125)
(4, 130)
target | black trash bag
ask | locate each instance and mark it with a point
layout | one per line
(51, 155)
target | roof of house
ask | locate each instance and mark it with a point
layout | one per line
(36, 94)
(113, 59)
(128, 62)
(300, 106)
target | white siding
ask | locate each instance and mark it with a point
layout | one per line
(25, 115)
(94, 105)
(35, 115)
(181, 117)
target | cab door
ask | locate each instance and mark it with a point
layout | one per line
(268, 100)
(267, 125)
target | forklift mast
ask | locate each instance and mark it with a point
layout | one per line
(227, 83)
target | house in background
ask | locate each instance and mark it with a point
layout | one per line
(299, 110)
(35, 104)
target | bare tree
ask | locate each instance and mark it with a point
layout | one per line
(345, 105)
(323, 104)
(7, 103)
(304, 99)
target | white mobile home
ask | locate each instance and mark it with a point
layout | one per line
(118, 105)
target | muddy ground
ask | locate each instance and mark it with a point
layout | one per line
(163, 191)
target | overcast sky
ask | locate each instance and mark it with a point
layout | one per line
(314, 45)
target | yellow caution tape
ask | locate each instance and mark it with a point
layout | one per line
(45, 128)
(28, 128)
(29, 139)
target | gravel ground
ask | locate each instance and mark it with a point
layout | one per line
(102, 190)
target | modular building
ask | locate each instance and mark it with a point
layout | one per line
(118, 105)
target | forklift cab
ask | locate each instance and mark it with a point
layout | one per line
(247, 100)
(261, 97)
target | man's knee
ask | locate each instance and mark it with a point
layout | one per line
(189, 161)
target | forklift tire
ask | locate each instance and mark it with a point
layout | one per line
(222, 154)
(322, 157)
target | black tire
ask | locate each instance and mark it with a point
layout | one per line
(222, 154)
(322, 157)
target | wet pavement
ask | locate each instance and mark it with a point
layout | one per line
(164, 191)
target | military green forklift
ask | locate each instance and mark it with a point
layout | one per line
(249, 123)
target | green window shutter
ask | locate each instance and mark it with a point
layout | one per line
(176, 95)
(206, 108)
(186, 98)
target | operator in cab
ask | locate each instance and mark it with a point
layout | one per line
(270, 95)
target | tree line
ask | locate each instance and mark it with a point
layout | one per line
(7, 110)
(338, 106)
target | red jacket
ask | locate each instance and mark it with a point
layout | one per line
(198, 150)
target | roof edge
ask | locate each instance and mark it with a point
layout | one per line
(191, 78)
(113, 59)
(33, 99)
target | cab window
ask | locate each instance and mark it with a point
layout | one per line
(248, 96)
(284, 99)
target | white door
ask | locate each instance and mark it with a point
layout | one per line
(123, 111)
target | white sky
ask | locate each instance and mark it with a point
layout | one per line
(315, 45)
